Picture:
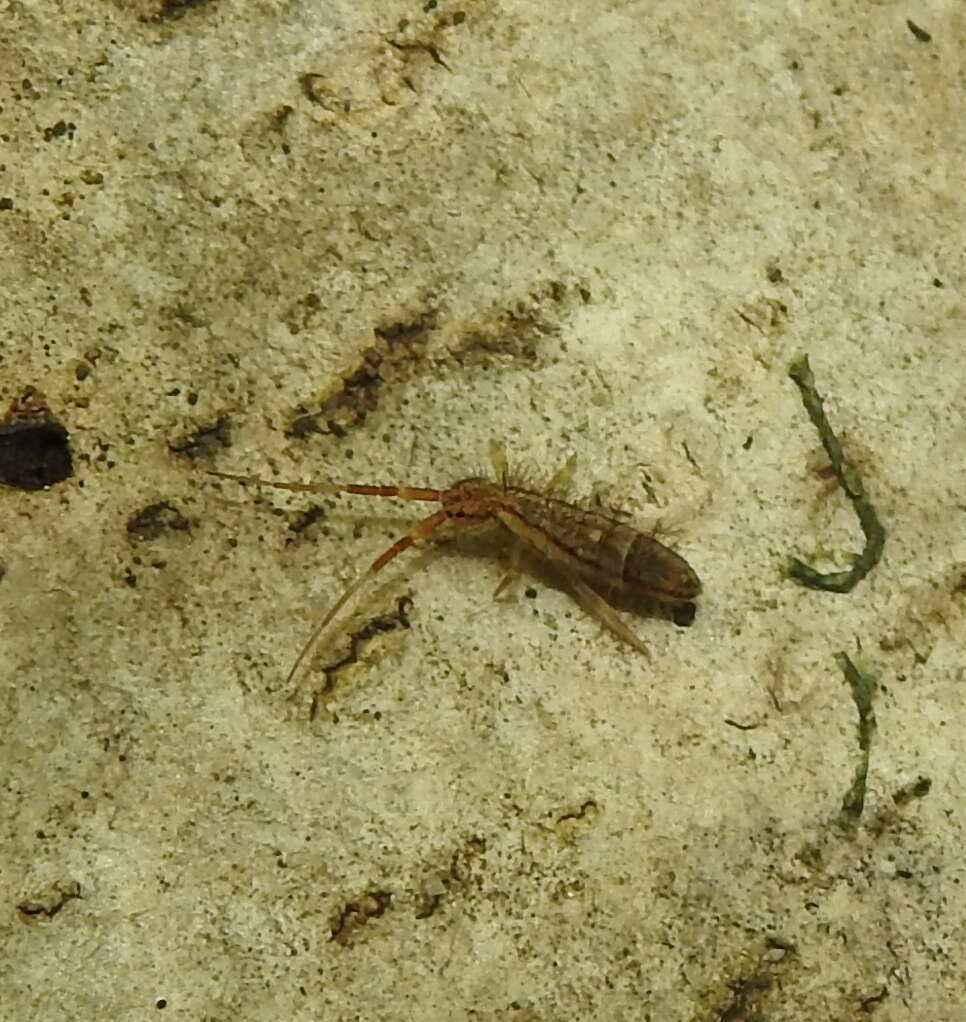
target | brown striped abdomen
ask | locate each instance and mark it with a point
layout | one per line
(613, 557)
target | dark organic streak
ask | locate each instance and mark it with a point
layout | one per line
(377, 626)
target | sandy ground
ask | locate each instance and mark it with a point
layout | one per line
(356, 242)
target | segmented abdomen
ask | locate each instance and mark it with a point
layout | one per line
(610, 555)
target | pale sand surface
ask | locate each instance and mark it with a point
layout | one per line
(609, 228)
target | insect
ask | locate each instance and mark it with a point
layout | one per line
(603, 561)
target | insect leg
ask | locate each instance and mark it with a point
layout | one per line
(417, 532)
(497, 454)
(562, 476)
(595, 605)
(513, 568)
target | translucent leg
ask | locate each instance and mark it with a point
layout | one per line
(560, 478)
(419, 531)
(595, 605)
(563, 474)
(497, 454)
(513, 568)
